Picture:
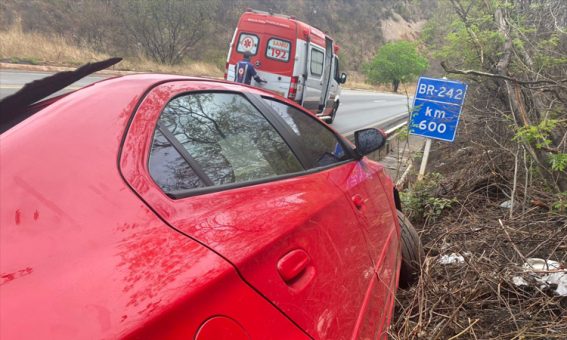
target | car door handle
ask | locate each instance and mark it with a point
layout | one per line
(292, 265)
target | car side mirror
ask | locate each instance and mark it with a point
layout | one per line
(343, 78)
(369, 140)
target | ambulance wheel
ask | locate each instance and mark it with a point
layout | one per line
(333, 113)
(412, 253)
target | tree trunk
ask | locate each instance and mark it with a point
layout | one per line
(518, 103)
(518, 94)
(395, 85)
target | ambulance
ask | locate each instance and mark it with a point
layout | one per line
(297, 60)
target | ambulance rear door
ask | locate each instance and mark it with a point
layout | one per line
(314, 81)
(326, 73)
(275, 63)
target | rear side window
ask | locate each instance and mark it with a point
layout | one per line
(316, 62)
(221, 138)
(169, 169)
(278, 49)
(320, 146)
(248, 43)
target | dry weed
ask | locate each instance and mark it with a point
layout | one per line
(17, 46)
(478, 299)
(357, 81)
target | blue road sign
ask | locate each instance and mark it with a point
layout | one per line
(436, 108)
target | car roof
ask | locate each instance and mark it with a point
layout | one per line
(150, 80)
(141, 83)
(145, 80)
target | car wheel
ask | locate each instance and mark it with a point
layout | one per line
(333, 113)
(412, 253)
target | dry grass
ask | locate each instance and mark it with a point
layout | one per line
(357, 80)
(23, 47)
(192, 68)
(477, 299)
(17, 46)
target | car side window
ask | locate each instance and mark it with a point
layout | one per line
(223, 138)
(320, 146)
(316, 62)
(169, 169)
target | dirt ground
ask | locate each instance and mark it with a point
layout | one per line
(458, 214)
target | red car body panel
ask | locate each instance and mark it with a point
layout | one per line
(82, 257)
(91, 247)
(254, 227)
(378, 216)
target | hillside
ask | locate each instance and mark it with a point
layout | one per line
(204, 29)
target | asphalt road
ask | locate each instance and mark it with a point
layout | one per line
(12, 81)
(361, 109)
(358, 109)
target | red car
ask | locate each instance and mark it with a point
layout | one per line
(165, 207)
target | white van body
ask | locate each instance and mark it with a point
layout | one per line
(298, 61)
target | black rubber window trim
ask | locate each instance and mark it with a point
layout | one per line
(223, 187)
(184, 153)
(277, 123)
(350, 151)
(218, 188)
(280, 126)
(272, 118)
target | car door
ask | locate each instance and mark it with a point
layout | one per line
(277, 63)
(365, 194)
(314, 81)
(368, 183)
(220, 167)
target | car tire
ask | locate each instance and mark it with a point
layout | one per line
(412, 253)
(333, 113)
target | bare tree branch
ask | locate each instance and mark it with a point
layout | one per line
(449, 69)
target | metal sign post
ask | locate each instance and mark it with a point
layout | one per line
(436, 110)
(424, 159)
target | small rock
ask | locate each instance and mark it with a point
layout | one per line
(463, 151)
(506, 205)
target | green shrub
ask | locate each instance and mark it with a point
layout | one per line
(420, 202)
